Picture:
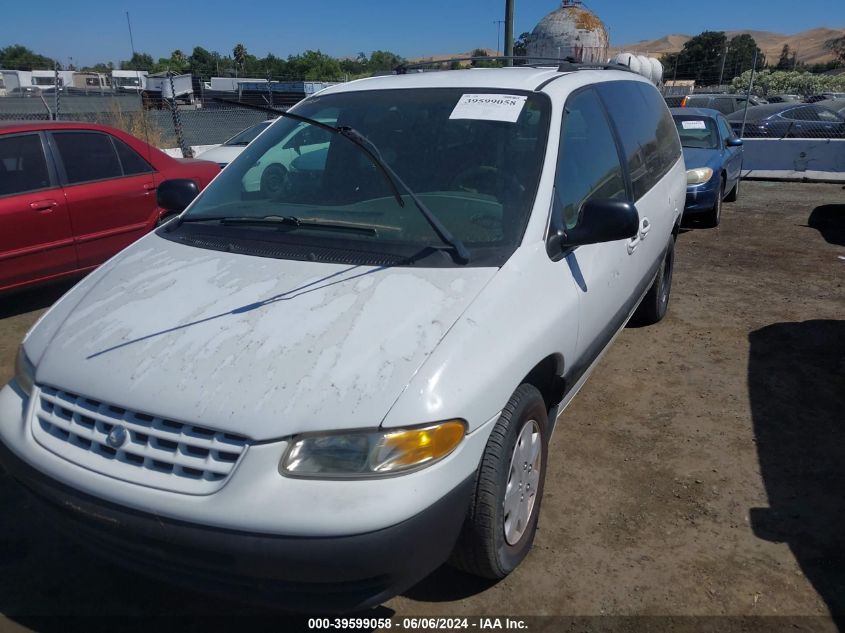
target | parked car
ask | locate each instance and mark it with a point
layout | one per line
(713, 156)
(724, 103)
(789, 120)
(674, 101)
(269, 173)
(226, 152)
(319, 395)
(783, 98)
(74, 194)
(825, 96)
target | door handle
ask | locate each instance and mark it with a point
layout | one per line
(150, 186)
(645, 227)
(43, 205)
(633, 243)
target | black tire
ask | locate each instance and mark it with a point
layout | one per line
(273, 180)
(655, 303)
(714, 216)
(733, 194)
(482, 548)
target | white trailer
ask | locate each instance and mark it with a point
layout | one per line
(182, 88)
(129, 80)
(230, 84)
(47, 78)
(16, 81)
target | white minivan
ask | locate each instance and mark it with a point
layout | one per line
(317, 394)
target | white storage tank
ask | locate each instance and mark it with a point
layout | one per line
(648, 67)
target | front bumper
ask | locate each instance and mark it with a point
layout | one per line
(701, 198)
(307, 544)
(343, 573)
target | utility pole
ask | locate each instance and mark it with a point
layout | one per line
(748, 94)
(724, 59)
(509, 31)
(498, 24)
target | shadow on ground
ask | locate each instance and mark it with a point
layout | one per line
(796, 380)
(50, 583)
(829, 220)
(23, 301)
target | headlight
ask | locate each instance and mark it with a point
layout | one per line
(24, 372)
(699, 175)
(371, 453)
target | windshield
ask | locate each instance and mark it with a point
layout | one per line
(475, 167)
(697, 132)
(247, 136)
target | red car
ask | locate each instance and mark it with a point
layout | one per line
(74, 194)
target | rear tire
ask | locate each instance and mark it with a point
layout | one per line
(502, 518)
(655, 303)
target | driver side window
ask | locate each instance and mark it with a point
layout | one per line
(588, 160)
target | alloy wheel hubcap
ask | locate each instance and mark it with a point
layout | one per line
(523, 480)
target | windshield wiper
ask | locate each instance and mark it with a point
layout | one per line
(289, 221)
(442, 232)
(297, 223)
(390, 176)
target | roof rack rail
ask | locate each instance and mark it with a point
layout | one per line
(564, 64)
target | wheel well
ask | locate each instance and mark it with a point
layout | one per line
(546, 376)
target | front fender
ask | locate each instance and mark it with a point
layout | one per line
(526, 313)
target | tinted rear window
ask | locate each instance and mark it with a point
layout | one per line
(645, 126)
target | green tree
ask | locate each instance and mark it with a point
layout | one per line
(314, 66)
(239, 54)
(740, 56)
(383, 60)
(484, 63)
(17, 57)
(835, 45)
(101, 67)
(139, 61)
(520, 48)
(784, 61)
(178, 60)
(699, 59)
(204, 63)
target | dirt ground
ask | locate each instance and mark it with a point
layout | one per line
(700, 471)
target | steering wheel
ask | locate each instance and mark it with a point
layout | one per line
(484, 179)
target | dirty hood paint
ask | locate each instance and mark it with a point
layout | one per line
(257, 346)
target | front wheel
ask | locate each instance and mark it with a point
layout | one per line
(502, 518)
(714, 216)
(655, 303)
(273, 180)
(733, 195)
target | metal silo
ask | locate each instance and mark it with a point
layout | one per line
(570, 31)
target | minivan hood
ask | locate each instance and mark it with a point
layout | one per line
(256, 346)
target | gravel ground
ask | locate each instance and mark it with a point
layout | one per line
(698, 473)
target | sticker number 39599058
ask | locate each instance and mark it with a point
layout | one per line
(489, 107)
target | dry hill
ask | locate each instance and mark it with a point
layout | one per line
(808, 44)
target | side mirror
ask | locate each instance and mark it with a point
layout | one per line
(601, 220)
(733, 142)
(175, 195)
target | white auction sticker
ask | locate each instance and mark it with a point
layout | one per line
(693, 125)
(489, 107)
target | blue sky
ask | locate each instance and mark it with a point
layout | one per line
(91, 31)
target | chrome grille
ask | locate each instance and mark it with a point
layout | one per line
(156, 452)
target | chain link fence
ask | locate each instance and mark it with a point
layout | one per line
(802, 105)
(762, 103)
(164, 124)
